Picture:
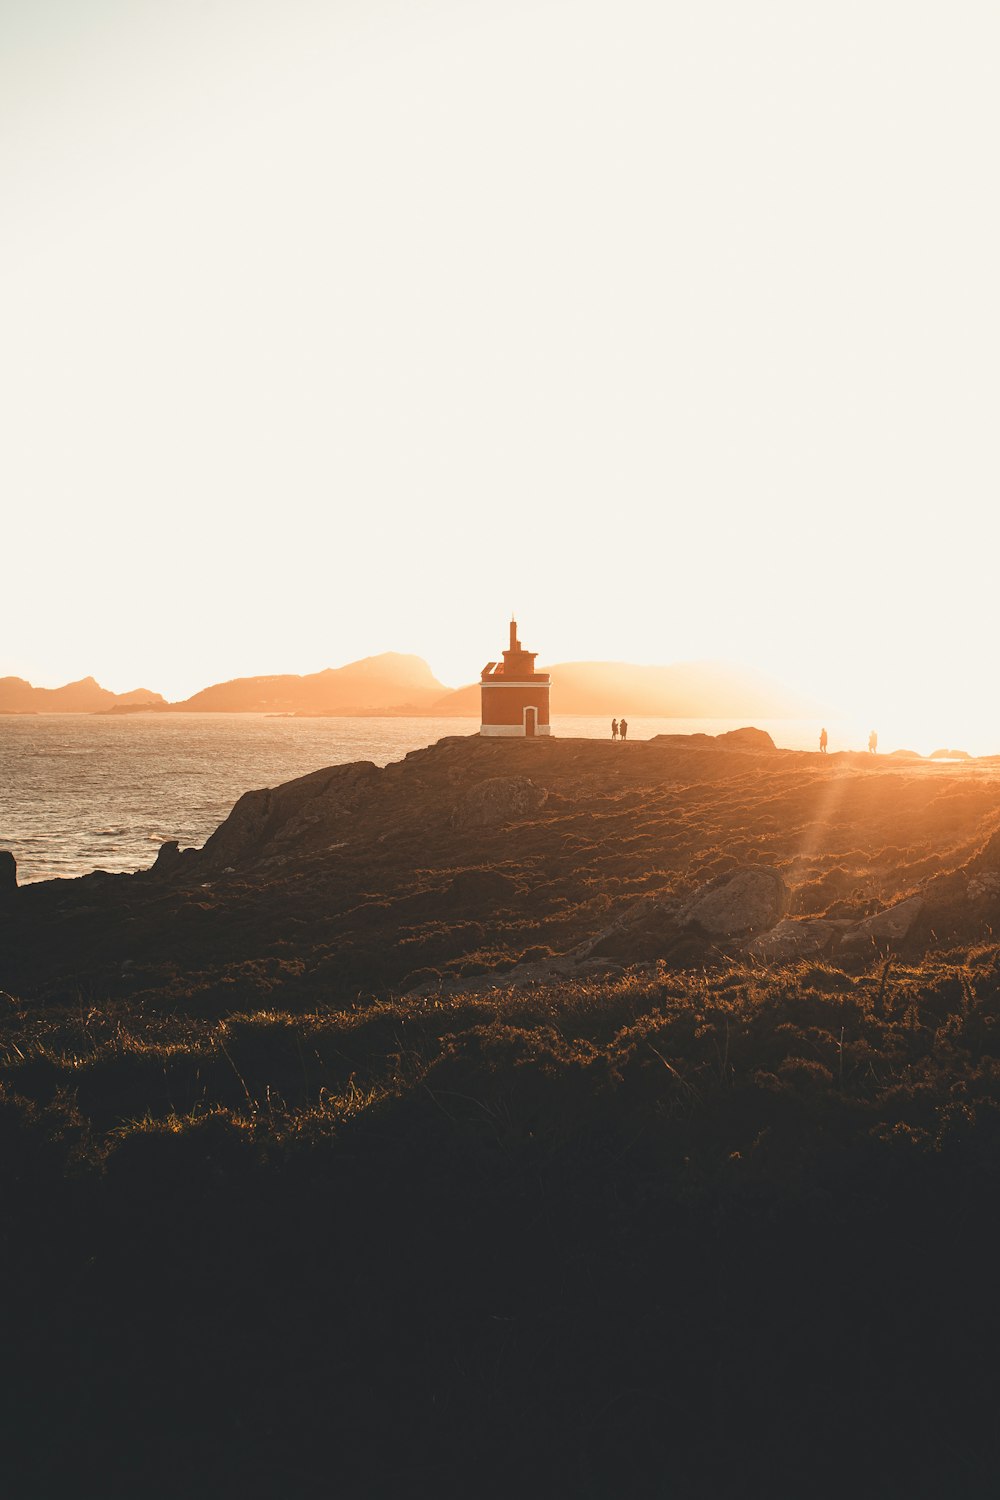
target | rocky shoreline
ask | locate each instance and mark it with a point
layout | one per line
(543, 1118)
(477, 864)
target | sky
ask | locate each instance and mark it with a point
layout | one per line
(335, 328)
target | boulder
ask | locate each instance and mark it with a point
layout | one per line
(8, 873)
(646, 929)
(733, 739)
(745, 739)
(741, 901)
(884, 928)
(794, 939)
(501, 799)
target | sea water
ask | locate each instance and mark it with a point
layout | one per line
(81, 792)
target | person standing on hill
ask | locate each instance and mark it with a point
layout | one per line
(823, 741)
(873, 743)
(614, 729)
(623, 729)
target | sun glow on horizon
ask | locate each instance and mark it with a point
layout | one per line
(329, 332)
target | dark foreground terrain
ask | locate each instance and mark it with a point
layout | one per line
(554, 1119)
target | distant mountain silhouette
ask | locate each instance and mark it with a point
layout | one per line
(393, 683)
(386, 684)
(83, 697)
(684, 690)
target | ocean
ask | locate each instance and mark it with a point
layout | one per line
(83, 792)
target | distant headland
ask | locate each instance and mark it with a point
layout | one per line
(393, 684)
(84, 697)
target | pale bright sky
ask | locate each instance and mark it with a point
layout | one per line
(330, 327)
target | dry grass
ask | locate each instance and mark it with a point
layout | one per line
(658, 1233)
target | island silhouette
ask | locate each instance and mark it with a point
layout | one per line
(84, 697)
(396, 683)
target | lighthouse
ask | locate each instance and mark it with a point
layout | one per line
(515, 696)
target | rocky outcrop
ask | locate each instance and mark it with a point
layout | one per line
(745, 739)
(885, 928)
(475, 859)
(242, 832)
(168, 859)
(305, 814)
(8, 873)
(323, 818)
(795, 938)
(501, 799)
(733, 906)
(734, 739)
(752, 899)
(647, 928)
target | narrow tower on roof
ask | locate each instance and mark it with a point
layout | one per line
(515, 696)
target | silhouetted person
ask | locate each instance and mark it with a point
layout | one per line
(614, 729)
(873, 742)
(823, 741)
(623, 729)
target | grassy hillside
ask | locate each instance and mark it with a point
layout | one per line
(661, 1234)
(355, 881)
(600, 1201)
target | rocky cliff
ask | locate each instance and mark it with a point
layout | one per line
(477, 863)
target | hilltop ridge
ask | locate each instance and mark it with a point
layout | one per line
(391, 682)
(397, 683)
(472, 857)
(17, 696)
(577, 1117)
